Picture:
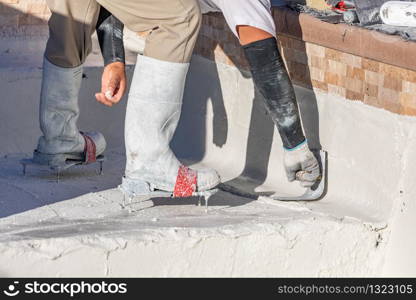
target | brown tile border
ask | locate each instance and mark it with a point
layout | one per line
(373, 45)
(351, 62)
(319, 57)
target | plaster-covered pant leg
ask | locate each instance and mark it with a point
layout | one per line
(71, 25)
(155, 99)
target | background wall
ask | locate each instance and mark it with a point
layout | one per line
(23, 18)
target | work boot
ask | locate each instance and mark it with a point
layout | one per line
(58, 116)
(153, 113)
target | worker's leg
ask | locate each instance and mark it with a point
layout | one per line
(71, 25)
(70, 28)
(156, 93)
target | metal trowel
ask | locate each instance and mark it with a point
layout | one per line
(316, 192)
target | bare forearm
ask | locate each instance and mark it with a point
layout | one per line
(250, 34)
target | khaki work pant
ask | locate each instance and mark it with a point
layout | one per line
(173, 26)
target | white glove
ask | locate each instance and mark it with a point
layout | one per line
(301, 164)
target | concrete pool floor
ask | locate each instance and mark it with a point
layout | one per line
(102, 234)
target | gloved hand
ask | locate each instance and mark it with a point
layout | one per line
(302, 165)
